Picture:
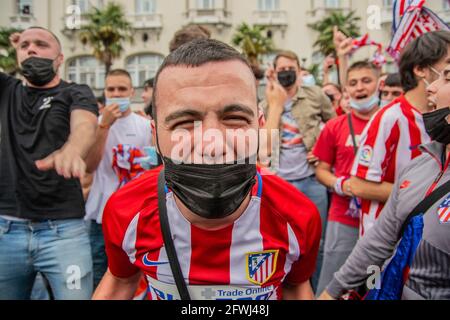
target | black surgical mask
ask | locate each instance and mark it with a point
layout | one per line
(287, 78)
(38, 71)
(437, 126)
(210, 191)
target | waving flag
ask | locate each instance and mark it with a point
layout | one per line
(378, 58)
(126, 163)
(411, 20)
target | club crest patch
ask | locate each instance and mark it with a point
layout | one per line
(261, 266)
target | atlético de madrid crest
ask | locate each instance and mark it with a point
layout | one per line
(444, 211)
(261, 266)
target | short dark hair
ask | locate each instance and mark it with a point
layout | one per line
(393, 80)
(257, 72)
(338, 87)
(195, 54)
(149, 83)
(119, 72)
(364, 64)
(187, 34)
(426, 50)
(288, 55)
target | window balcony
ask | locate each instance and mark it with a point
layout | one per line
(270, 18)
(22, 21)
(218, 17)
(146, 21)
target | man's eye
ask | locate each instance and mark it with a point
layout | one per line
(183, 123)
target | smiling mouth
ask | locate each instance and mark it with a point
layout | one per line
(362, 97)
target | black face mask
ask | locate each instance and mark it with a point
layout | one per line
(287, 78)
(38, 71)
(210, 191)
(437, 126)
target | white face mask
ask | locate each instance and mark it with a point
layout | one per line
(309, 81)
(365, 105)
(124, 103)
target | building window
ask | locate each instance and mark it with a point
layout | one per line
(25, 7)
(334, 4)
(268, 5)
(86, 5)
(446, 4)
(143, 67)
(145, 6)
(205, 4)
(87, 70)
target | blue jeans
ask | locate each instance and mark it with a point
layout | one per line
(99, 257)
(317, 193)
(59, 249)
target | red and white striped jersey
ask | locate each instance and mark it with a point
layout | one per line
(275, 240)
(389, 142)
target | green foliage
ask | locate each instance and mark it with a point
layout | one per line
(106, 33)
(252, 42)
(8, 60)
(347, 23)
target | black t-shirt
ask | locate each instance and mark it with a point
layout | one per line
(33, 124)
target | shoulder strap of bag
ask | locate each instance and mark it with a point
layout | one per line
(168, 242)
(352, 132)
(427, 203)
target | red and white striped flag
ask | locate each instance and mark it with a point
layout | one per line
(411, 20)
(378, 58)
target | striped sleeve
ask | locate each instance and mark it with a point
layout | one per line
(378, 145)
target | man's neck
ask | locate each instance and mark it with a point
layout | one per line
(212, 224)
(366, 116)
(54, 83)
(418, 99)
(292, 92)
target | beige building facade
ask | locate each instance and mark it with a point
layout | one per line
(155, 22)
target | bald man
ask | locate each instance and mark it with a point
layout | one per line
(47, 129)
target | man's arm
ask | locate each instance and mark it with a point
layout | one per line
(301, 291)
(113, 288)
(343, 45)
(109, 117)
(325, 175)
(276, 98)
(372, 250)
(368, 190)
(69, 160)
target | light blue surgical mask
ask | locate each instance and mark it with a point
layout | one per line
(124, 103)
(309, 81)
(150, 160)
(366, 105)
(384, 103)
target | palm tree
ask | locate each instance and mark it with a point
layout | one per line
(347, 23)
(252, 42)
(8, 60)
(106, 32)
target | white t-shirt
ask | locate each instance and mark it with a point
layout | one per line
(132, 130)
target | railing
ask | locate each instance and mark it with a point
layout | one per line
(146, 21)
(270, 18)
(22, 21)
(209, 16)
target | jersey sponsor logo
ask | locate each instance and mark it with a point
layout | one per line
(46, 103)
(149, 263)
(261, 266)
(444, 211)
(366, 156)
(166, 291)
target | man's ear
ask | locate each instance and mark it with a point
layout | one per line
(420, 72)
(153, 127)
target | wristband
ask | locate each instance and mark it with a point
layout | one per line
(339, 186)
(104, 126)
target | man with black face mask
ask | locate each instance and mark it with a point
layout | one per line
(297, 112)
(47, 129)
(237, 233)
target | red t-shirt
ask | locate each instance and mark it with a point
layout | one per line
(335, 147)
(276, 240)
